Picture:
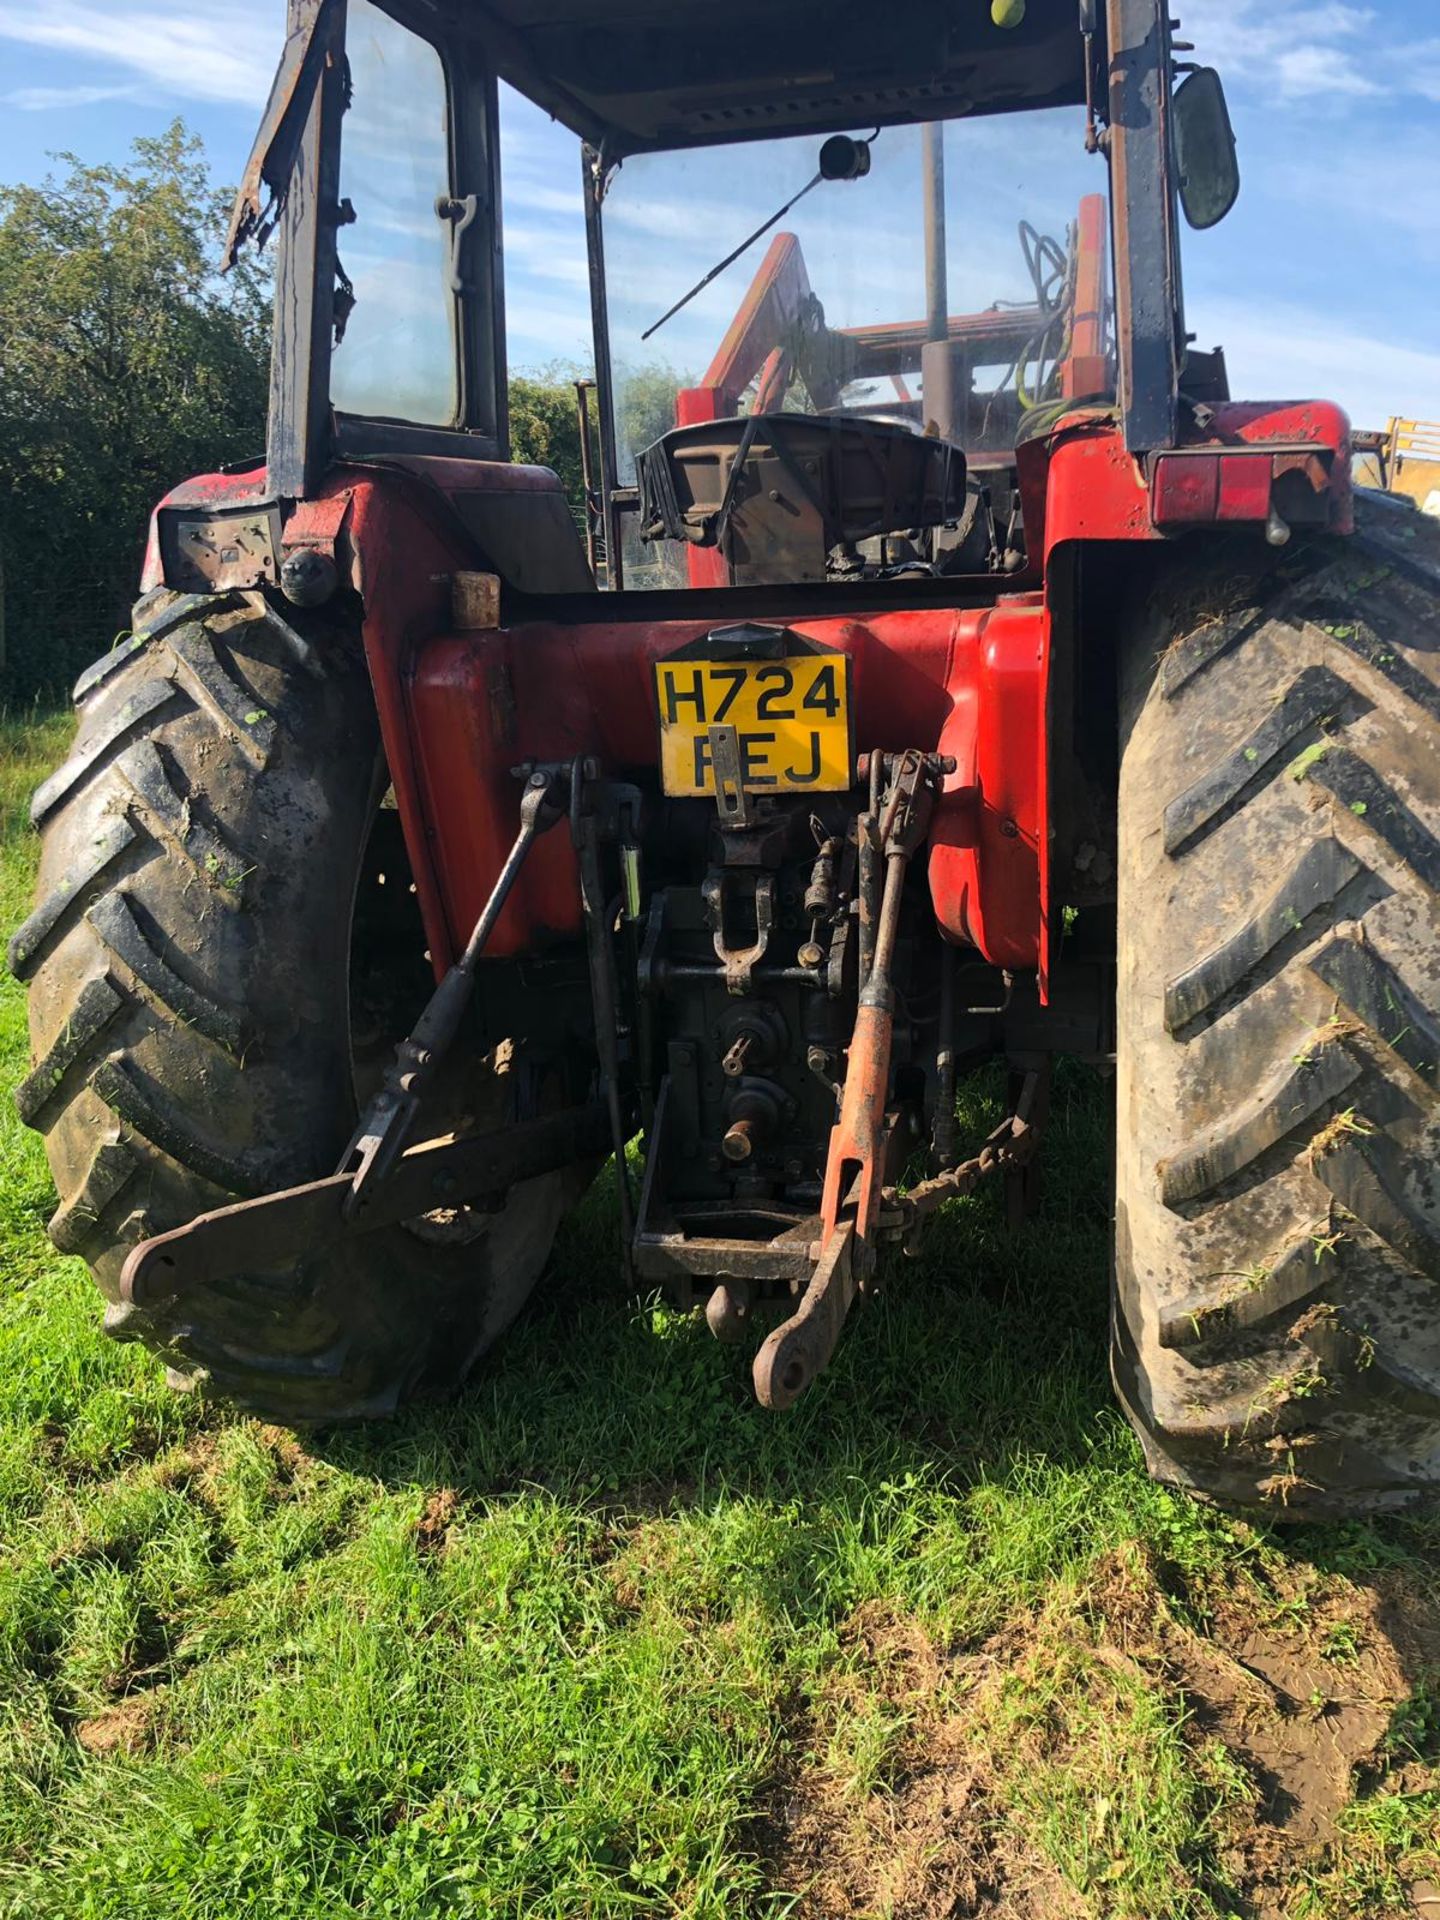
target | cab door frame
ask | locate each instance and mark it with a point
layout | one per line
(305, 435)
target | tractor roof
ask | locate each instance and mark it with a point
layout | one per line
(628, 75)
(677, 73)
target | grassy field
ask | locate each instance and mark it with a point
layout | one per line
(603, 1639)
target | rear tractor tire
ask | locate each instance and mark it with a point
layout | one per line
(1277, 1261)
(192, 972)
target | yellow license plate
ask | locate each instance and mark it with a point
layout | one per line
(791, 718)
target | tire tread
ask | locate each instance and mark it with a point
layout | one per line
(1278, 1242)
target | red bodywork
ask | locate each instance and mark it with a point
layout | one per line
(970, 683)
(458, 711)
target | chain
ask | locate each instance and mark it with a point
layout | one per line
(1010, 1147)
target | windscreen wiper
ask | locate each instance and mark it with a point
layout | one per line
(841, 158)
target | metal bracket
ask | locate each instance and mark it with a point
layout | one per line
(280, 1230)
(461, 214)
(732, 802)
(739, 962)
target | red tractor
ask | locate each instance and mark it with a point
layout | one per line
(985, 685)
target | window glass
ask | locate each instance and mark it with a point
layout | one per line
(397, 358)
(826, 311)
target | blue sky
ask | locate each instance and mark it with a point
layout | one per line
(1324, 281)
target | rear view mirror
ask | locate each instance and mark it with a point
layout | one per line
(1209, 173)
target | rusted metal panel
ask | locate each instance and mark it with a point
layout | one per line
(318, 523)
(214, 552)
(475, 601)
(1085, 370)
(277, 144)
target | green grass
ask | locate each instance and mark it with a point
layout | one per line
(601, 1638)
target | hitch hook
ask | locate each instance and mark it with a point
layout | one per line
(800, 1348)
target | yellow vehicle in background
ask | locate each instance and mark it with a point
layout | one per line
(1405, 458)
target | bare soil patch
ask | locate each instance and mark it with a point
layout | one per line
(127, 1727)
(1297, 1683)
(432, 1533)
(931, 1840)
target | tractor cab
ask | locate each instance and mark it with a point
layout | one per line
(807, 249)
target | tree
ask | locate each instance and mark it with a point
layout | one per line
(545, 427)
(645, 402)
(126, 363)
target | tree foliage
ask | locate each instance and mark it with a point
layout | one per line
(126, 364)
(645, 403)
(545, 426)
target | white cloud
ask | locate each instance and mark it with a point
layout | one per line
(1294, 51)
(1276, 351)
(1304, 72)
(520, 192)
(536, 251)
(539, 331)
(46, 99)
(1246, 34)
(1365, 205)
(1425, 70)
(225, 53)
